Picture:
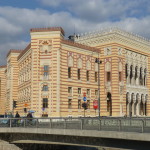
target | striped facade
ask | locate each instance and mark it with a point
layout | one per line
(51, 74)
(2, 89)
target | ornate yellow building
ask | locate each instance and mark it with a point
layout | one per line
(51, 74)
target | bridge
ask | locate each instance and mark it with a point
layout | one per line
(121, 133)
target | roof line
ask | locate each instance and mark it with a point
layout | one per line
(24, 51)
(71, 43)
(3, 66)
(48, 29)
(13, 51)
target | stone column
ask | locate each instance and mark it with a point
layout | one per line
(138, 76)
(138, 105)
(133, 105)
(143, 101)
(128, 104)
(142, 77)
(141, 108)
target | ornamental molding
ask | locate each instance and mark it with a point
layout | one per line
(117, 36)
(137, 90)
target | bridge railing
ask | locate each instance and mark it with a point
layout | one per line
(103, 124)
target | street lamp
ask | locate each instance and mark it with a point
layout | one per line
(98, 61)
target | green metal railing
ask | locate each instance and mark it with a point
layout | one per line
(141, 125)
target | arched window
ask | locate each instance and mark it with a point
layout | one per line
(109, 104)
(136, 68)
(141, 80)
(131, 74)
(45, 88)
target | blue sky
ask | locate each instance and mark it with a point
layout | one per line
(18, 16)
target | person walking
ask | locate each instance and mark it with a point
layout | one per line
(17, 115)
(5, 115)
(17, 120)
(29, 116)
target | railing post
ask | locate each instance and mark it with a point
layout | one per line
(65, 126)
(130, 124)
(119, 125)
(37, 123)
(24, 123)
(99, 125)
(142, 126)
(50, 123)
(81, 124)
(10, 123)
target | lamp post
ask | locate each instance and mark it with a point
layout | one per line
(98, 61)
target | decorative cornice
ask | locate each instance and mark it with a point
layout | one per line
(48, 29)
(114, 35)
(112, 30)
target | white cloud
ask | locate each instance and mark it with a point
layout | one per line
(5, 47)
(101, 10)
(16, 22)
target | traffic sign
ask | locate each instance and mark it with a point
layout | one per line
(84, 105)
(25, 105)
(95, 104)
(84, 94)
(84, 98)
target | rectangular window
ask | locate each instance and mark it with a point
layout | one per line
(46, 67)
(108, 76)
(45, 73)
(78, 74)
(95, 76)
(79, 90)
(70, 90)
(88, 92)
(69, 72)
(120, 77)
(69, 103)
(87, 75)
(79, 104)
(96, 92)
(45, 102)
(46, 70)
(88, 104)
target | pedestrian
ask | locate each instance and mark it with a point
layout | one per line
(17, 115)
(29, 116)
(5, 115)
(17, 120)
